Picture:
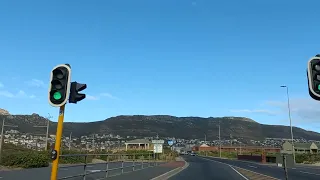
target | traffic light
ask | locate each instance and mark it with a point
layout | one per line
(313, 75)
(75, 96)
(59, 87)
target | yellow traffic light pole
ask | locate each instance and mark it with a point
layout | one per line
(55, 163)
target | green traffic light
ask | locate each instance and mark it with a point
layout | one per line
(57, 95)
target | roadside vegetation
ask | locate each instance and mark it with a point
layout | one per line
(300, 158)
(18, 156)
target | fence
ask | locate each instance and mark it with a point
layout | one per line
(109, 165)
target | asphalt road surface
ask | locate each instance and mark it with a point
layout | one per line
(296, 173)
(202, 169)
(94, 171)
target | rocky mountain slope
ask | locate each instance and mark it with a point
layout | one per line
(164, 125)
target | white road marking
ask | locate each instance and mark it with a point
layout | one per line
(252, 166)
(241, 168)
(94, 170)
(310, 173)
(239, 173)
(179, 169)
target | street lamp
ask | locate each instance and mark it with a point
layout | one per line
(289, 113)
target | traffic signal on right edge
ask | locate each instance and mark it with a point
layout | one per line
(75, 96)
(313, 74)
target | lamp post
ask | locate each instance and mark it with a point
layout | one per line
(289, 114)
(219, 142)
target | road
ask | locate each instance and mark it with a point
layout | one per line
(297, 173)
(97, 169)
(202, 169)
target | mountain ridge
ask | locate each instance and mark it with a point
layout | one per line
(164, 125)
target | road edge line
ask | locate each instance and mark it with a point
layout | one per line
(241, 168)
(244, 177)
(178, 169)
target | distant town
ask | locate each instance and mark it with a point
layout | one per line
(112, 141)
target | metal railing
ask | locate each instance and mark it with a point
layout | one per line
(118, 163)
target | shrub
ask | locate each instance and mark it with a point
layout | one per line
(25, 159)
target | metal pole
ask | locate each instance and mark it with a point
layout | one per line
(289, 114)
(47, 134)
(285, 166)
(93, 146)
(289, 110)
(2, 136)
(70, 141)
(2, 127)
(55, 163)
(219, 142)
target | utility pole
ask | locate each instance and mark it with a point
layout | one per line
(93, 146)
(47, 133)
(205, 142)
(2, 135)
(219, 142)
(70, 141)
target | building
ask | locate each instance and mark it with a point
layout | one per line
(299, 148)
(139, 144)
(237, 149)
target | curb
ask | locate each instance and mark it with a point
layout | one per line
(171, 173)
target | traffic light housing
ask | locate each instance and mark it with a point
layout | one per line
(313, 75)
(75, 96)
(59, 87)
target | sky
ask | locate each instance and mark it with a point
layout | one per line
(182, 58)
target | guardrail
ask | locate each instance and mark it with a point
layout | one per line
(122, 162)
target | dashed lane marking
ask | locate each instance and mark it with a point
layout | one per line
(252, 166)
(310, 173)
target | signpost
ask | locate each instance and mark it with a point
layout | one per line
(157, 146)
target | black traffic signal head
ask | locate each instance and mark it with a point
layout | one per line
(59, 85)
(75, 96)
(313, 74)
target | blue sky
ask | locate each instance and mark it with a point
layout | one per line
(182, 57)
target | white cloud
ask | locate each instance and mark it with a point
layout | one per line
(36, 83)
(101, 95)
(303, 110)
(263, 111)
(7, 94)
(108, 95)
(307, 109)
(1, 85)
(19, 94)
(89, 97)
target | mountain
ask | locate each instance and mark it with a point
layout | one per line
(164, 125)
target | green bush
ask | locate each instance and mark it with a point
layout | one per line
(26, 159)
(307, 158)
(229, 155)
